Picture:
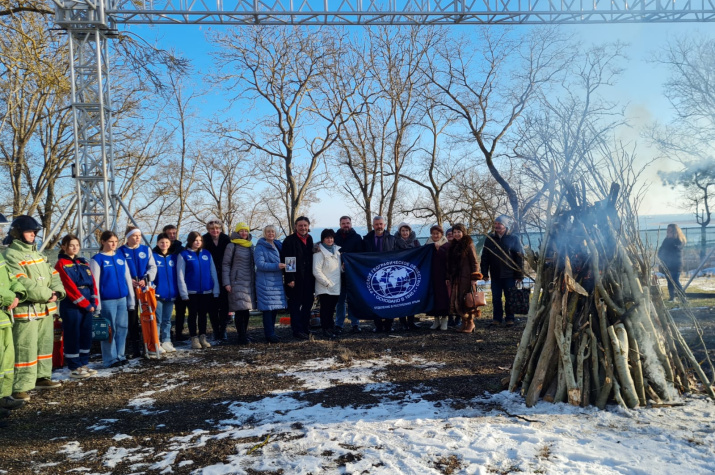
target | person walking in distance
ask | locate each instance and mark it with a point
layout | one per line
(299, 284)
(503, 260)
(378, 240)
(349, 242)
(671, 255)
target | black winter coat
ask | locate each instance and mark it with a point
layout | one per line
(671, 253)
(176, 247)
(349, 242)
(303, 275)
(502, 257)
(217, 252)
(388, 242)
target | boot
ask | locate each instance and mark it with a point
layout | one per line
(436, 324)
(195, 345)
(9, 403)
(467, 324)
(204, 342)
(451, 321)
(443, 323)
(241, 330)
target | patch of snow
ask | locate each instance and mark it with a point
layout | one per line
(73, 451)
(119, 437)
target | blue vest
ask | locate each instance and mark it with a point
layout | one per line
(112, 281)
(197, 272)
(137, 260)
(165, 281)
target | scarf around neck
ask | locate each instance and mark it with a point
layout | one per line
(329, 248)
(242, 242)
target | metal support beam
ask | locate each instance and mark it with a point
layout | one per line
(88, 29)
(409, 12)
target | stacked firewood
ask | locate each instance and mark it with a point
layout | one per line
(598, 331)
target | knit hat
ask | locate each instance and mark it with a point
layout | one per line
(242, 226)
(504, 220)
(404, 224)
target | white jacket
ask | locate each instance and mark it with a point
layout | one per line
(326, 269)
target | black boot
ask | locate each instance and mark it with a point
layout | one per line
(241, 329)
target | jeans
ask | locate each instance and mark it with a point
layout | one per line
(164, 308)
(269, 322)
(340, 310)
(499, 287)
(77, 329)
(115, 310)
(674, 283)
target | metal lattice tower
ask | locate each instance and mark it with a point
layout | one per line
(90, 23)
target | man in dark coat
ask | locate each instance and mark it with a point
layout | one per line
(503, 260)
(215, 241)
(299, 285)
(378, 240)
(349, 242)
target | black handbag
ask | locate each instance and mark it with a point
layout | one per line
(517, 300)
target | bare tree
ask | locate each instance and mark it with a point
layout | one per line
(489, 79)
(688, 138)
(569, 131)
(282, 68)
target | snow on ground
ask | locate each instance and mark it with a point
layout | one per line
(490, 434)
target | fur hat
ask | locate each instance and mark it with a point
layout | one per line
(404, 224)
(504, 220)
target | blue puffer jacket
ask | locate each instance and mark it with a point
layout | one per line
(269, 277)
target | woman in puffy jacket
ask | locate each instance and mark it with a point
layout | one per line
(167, 289)
(238, 278)
(326, 270)
(116, 297)
(77, 309)
(405, 238)
(269, 281)
(197, 280)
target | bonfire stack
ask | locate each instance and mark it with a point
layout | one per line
(598, 330)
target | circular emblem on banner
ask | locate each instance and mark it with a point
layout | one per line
(120, 262)
(142, 255)
(205, 257)
(394, 281)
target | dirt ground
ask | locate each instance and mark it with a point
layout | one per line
(195, 386)
(201, 381)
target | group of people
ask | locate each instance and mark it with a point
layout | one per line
(216, 278)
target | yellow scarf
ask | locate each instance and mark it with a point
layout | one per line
(242, 242)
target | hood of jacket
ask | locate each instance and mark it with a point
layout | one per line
(263, 243)
(410, 239)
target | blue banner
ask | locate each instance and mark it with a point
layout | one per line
(389, 284)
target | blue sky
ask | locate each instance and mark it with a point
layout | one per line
(641, 86)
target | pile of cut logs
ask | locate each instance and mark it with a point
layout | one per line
(598, 331)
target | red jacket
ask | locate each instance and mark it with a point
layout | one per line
(75, 273)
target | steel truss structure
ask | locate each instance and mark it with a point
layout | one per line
(91, 23)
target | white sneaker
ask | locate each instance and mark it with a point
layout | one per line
(195, 345)
(168, 347)
(160, 349)
(79, 373)
(89, 370)
(204, 342)
(435, 325)
(443, 323)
